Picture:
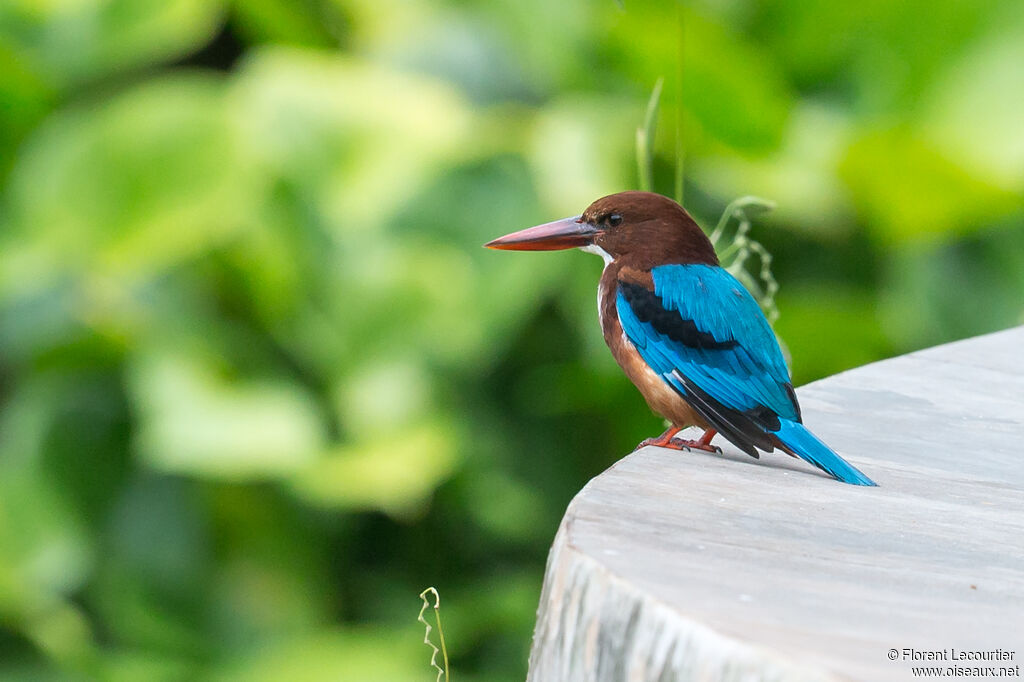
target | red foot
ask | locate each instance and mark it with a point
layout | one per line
(681, 444)
(669, 441)
(661, 441)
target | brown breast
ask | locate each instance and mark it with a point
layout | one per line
(661, 397)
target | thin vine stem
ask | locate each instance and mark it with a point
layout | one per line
(443, 650)
(680, 123)
(645, 139)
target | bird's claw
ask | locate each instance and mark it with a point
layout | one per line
(679, 444)
(691, 445)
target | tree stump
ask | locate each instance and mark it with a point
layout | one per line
(694, 566)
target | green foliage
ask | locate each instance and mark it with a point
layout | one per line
(740, 247)
(259, 382)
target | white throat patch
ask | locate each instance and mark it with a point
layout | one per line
(598, 251)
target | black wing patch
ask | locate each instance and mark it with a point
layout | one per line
(792, 397)
(647, 307)
(746, 430)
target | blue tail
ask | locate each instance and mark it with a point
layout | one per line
(807, 446)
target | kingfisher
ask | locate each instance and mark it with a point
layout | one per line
(686, 332)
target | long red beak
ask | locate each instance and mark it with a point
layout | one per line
(561, 234)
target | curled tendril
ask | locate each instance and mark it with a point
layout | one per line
(443, 650)
(734, 255)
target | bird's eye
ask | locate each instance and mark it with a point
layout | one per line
(614, 220)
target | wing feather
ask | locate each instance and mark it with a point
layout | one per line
(706, 336)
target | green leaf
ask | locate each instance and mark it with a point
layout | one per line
(358, 139)
(193, 421)
(910, 189)
(45, 553)
(125, 188)
(330, 655)
(800, 176)
(394, 473)
(71, 42)
(921, 308)
(733, 93)
(828, 330)
(574, 158)
(280, 21)
(974, 109)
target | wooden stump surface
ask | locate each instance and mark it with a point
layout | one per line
(693, 566)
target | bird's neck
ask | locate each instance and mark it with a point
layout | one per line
(607, 291)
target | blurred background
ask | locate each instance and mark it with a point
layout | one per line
(260, 385)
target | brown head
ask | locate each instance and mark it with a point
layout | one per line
(637, 229)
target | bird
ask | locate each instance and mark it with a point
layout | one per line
(686, 332)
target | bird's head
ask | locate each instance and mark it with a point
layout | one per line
(640, 229)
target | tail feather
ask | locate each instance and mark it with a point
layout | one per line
(804, 444)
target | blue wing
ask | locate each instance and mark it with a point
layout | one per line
(706, 336)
